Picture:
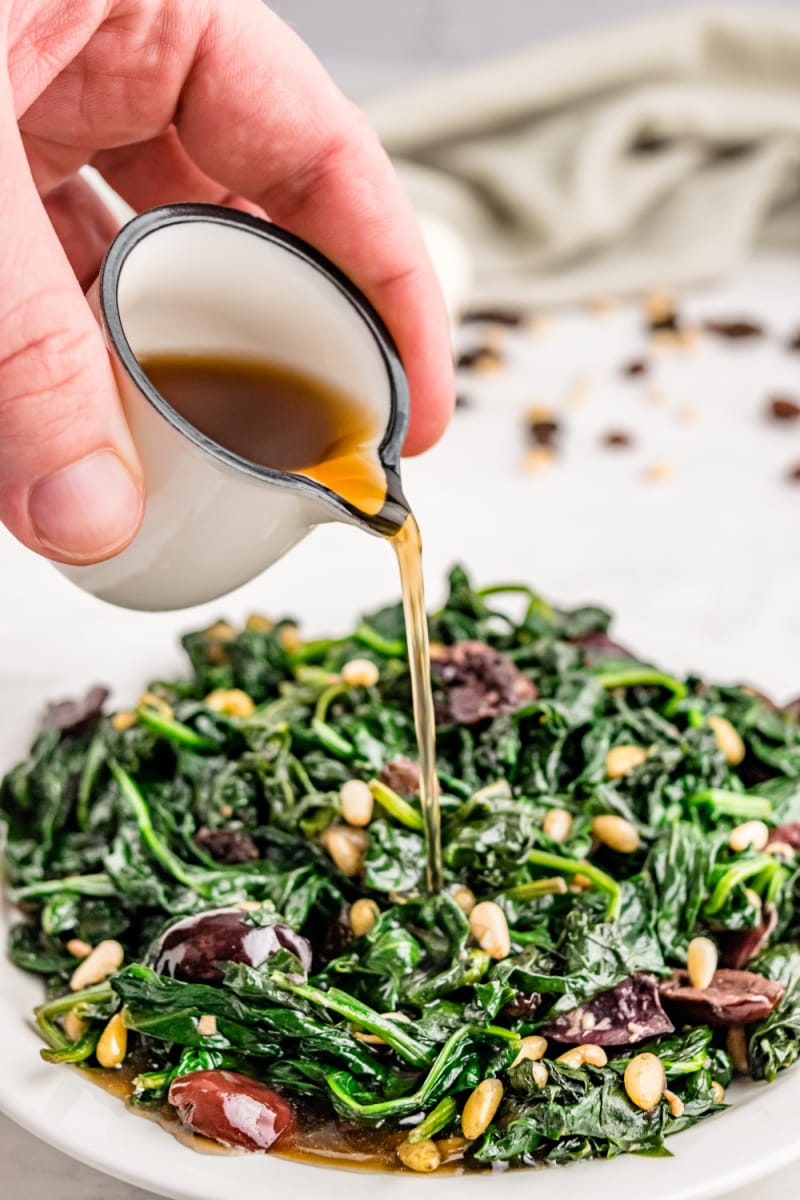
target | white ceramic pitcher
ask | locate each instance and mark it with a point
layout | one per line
(192, 277)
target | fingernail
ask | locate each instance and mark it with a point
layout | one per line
(88, 510)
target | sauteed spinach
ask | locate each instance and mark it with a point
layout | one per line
(602, 813)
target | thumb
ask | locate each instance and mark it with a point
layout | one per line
(70, 482)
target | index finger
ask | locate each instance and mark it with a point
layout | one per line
(258, 113)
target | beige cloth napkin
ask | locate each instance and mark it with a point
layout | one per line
(651, 154)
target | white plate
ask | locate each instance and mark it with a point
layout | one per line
(700, 570)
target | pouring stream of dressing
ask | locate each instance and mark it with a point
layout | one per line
(292, 422)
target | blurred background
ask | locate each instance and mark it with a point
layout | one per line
(420, 35)
(360, 40)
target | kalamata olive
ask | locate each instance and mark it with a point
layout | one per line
(232, 1109)
(523, 1006)
(738, 946)
(477, 683)
(402, 775)
(732, 998)
(624, 1015)
(599, 645)
(191, 948)
(788, 834)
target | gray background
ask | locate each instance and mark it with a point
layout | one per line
(410, 36)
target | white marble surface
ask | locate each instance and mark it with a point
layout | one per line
(701, 568)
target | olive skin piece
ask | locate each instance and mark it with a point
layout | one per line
(192, 948)
(232, 1109)
(732, 998)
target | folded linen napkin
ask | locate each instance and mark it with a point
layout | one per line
(651, 154)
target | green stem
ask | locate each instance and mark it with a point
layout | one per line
(436, 1120)
(152, 1080)
(404, 1105)
(726, 803)
(537, 887)
(636, 675)
(326, 698)
(160, 851)
(775, 886)
(174, 731)
(500, 789)
(535, 602)
(370, 637)
(94, 760)
(395, 805)
(45, 1015)
(80, 885)
(75, 1052)
(575, 866)
(347, 1006)
(332, 740)
(315, 650)
(736, 875)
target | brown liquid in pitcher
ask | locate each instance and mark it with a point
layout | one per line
(284, 419)
(276, 417)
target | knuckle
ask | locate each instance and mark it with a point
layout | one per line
(290, 194)
(41, 357)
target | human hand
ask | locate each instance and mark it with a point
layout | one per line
(171, 100)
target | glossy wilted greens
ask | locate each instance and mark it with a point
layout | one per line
(103, 842)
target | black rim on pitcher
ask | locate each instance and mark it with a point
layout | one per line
(395, 508)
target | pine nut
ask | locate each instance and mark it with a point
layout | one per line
(360, 672)
(531, 1048)
(754, 898)
(557, 824)
(74, 1027)
(781, 850)
(701, 961)
(464, 898)
(106, 958)
(151, 700)
(78, 948)
(736, 1045)
(676, 1105)
(371, 1039)
(728, 740)
(717, 1092)
(659, 306)
(207, 1025)
(113, 1044)
(220, 631)
(481, 1107)
(751, 835)
(289, 638)
(538, 458)
(645, 1080)
(540, 1074)
(231, 701)
(420, 1156)
(357, 802)
(248, 905)
(346, 847)
(488, 925)
(258, 623)
(123, 720)
(587, 1054)
(580, 883)
(363, 915)
(616, 833)
(621, 760)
